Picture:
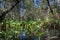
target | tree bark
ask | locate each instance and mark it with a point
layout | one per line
(50, 6)
(2, 15)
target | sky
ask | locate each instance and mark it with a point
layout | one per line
(36, 4)
(1, 4)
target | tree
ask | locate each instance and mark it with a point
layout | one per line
(2, 16)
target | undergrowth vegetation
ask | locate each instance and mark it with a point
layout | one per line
(37, 27)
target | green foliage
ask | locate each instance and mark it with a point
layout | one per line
(30, 28)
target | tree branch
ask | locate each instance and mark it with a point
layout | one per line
(50, 6)
(8, 10)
